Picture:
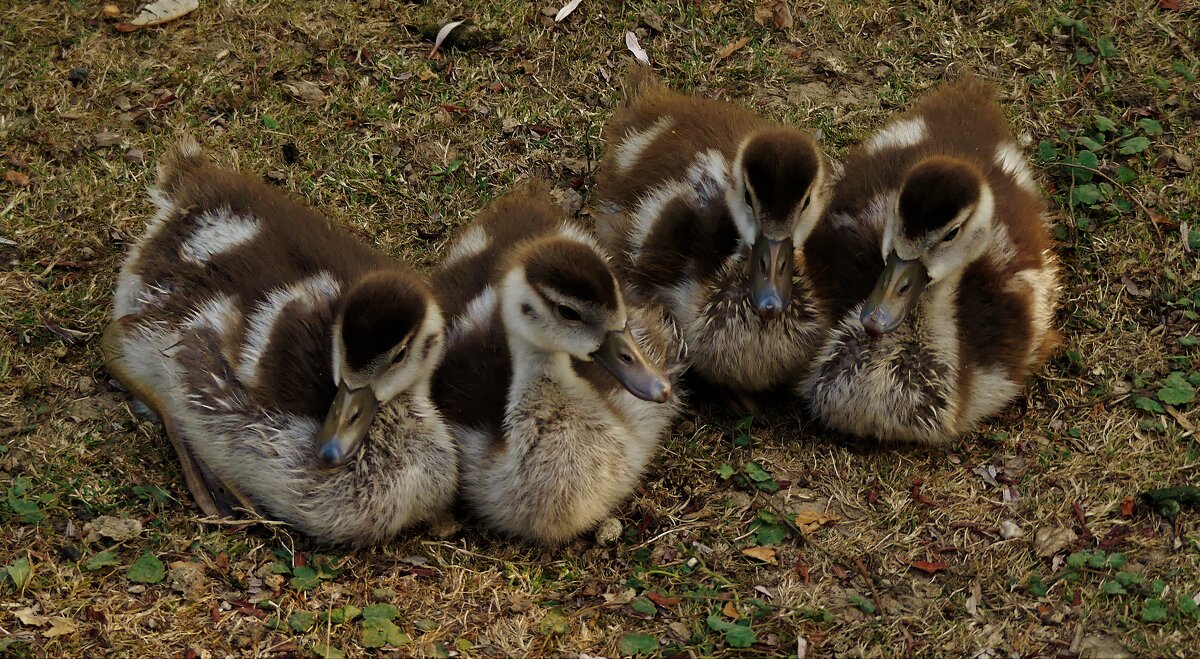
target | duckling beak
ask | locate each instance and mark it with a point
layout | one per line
(620, 354)
(895, 294)
(771, 276)
(346, 425)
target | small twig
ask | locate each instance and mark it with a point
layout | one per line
(1082, 83)
(1087, 533)
(1124, 190)
(862, 571)
(242, 523)
(971, 526)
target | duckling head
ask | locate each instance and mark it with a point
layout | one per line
(940, 223)
(777, 196)
(387, 337)
(560, 296)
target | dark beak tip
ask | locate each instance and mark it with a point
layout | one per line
(330, 455)
(662, 393)
(770, 306)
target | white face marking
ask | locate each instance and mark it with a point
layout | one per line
(1012, 162)
(320, 289)
(804, 221)
(735, 198)
(898, 135)
(630, 149)
(473, 241)
(477, 315)
(413, 372)
(883, 211)
(217, 232)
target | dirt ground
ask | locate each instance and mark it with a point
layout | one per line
(1024, 538)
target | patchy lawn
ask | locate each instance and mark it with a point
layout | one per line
(1025, 538)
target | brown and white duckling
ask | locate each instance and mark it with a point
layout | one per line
(708, 207)
(557, 391)
(315, 405)
(946, 288)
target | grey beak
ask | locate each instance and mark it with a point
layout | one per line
(896, 293)
(771, 266)
(346, 425)
(620, 354)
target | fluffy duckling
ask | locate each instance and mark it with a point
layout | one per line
(945, 290)
(290, 363)
(708, 208)
(557, 391)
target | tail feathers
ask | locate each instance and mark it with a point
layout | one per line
(639, 80)
(185, 158)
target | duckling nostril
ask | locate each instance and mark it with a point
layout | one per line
(763, 265)
(626, 358)
(903, 287)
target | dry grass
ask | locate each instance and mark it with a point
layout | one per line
(374, 153)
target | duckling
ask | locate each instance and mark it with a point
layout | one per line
(556, 390)
(945, 287)
(708, 208)
(290, 363)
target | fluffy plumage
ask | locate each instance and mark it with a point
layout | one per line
(551, 441)
(692, 197)
(285, 311)
(943, 195)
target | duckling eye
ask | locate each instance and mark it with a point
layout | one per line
(569, 314)
(400, 355)
(807, 200)
(749, 198)
(950, 236)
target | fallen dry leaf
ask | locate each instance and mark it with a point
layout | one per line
(442, 34)
(306, 91)
(566, 10)
(1170, 5)
(929, 567)
(1050, 540)
(921, 498)
(18, 179)
(774, 13)
(764, 554)
(157, 13)
(810, 521)
(635, 47)
(661, 600)
(29, 617)
(732, 48)
(61, 627)
(118, 529)
(731, 611)
(975, 597)
(624, 597)
(107, 139)
(111, 11)
(1127, 507)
